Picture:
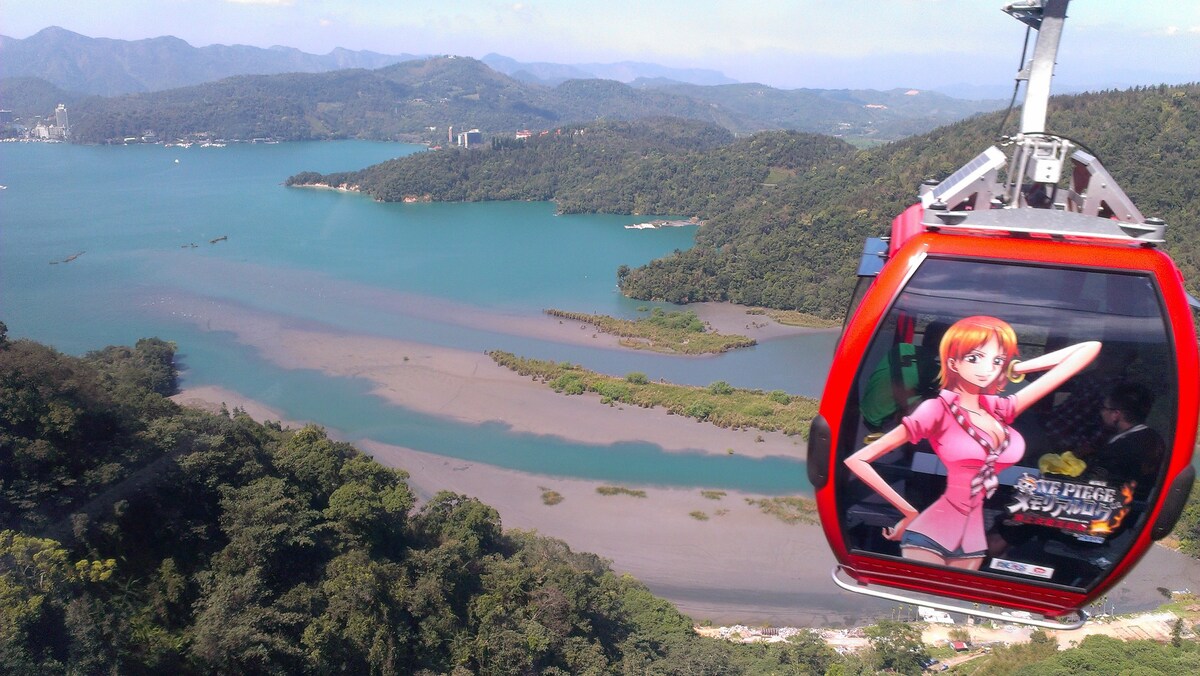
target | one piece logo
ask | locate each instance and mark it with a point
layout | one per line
(1090, 511)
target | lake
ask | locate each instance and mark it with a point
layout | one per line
(96, 242)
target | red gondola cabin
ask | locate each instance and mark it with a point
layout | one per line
(1012, 408)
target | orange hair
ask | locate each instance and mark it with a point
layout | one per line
(970, 333)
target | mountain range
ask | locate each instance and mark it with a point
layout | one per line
(177, 91)
(107, 67)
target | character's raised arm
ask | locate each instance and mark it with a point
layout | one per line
(1060, 366)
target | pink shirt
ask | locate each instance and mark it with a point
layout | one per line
(956, 518)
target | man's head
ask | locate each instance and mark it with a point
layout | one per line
(1126, 405)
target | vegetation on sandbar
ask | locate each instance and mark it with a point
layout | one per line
(796, 318)
(788, 509)
(720, 403)
(620, 490)
(675, 331)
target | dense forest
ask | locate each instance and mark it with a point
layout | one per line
(796, 245)
(137, 536)
(785, 214)
(141, 537)
(657, 166)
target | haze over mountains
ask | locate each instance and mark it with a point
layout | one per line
(168, 87)
(106, 67)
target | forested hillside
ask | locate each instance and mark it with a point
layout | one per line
(748, 108)
(796, 245)
(141, 537)
(785, 213)
(652, 166)
(420, 99)
(398, 102)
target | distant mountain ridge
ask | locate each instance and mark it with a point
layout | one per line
(418, 100)
(109, 67)
(106, 67)
(625, 71)
(282, 93)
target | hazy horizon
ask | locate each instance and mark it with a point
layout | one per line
(854, 44)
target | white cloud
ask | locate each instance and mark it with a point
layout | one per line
(273, 3)
(1176, 31)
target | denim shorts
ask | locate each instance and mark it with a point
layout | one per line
(922, 541)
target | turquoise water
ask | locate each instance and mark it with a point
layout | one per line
(416, 272)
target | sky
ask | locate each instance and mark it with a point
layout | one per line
(879, 44)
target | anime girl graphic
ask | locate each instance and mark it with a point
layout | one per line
(969, 427)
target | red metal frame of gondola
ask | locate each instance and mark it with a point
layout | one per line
(972, 587)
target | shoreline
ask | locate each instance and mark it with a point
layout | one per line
(344, 187)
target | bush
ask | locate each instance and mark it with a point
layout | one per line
(720, 387)
(779, 397)
(568, 383)
(700, 410)
(620, 490)
(636, 378)
(612, 390)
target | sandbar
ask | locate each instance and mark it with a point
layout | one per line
(469, 387)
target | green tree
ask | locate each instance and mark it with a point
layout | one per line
(362, 626)
(35, 581)
(897, 646)
(268, 530)
(372, 504)
(240, 629)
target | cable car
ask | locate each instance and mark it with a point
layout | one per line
(1011, 412)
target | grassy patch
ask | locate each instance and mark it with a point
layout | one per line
(795, 318)
(620, 490)
(676, 332)
(718, 404)
(551, 497)
(778, 174)
(789, 509)
(713, 495)
(698, 515)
